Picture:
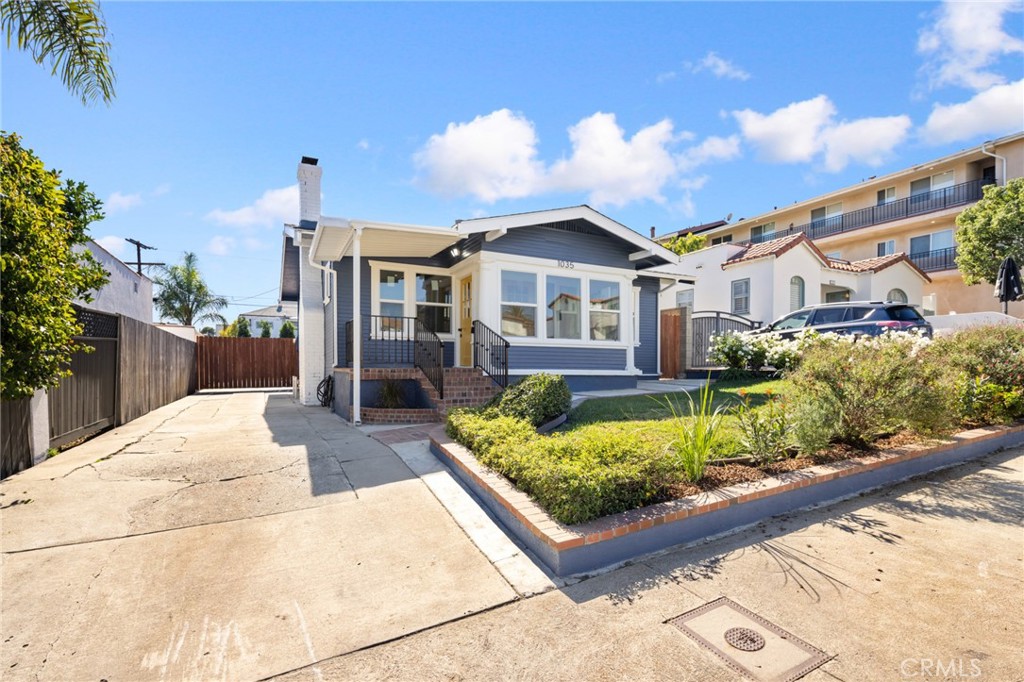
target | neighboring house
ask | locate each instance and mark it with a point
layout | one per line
(911, 211)
(765, 281)
(126, 292)
(567, 289)
(275, 315)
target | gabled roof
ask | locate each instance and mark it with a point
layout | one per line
(776, 247)
(565, 218)
(877, 264)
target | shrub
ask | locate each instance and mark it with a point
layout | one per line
(482, 434)
(730, 350)
(696, 436)
(538, 398)
(993, 351)
(765, 429)
(872, 386)
(391, 395)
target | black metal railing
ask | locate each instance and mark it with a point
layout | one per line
(933, 261)
(428, 355)
(391, 341)
(490, 353)
(927, 202)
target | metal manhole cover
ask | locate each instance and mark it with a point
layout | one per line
(744, 639)
(749, 644)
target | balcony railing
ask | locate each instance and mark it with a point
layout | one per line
(933, 261)
(919, 204)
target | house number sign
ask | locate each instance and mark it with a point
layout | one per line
(567, 264)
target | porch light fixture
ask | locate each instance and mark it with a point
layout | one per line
(454, 251)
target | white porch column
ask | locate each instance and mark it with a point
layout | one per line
(357, 327)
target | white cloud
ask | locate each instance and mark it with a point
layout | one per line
(112, 244)
(965, 41)
(161, 189)
(994, 111)
(221, 245)
(803, 131)
(275, 206)
(121, 202)
(790, 134)
(492, 157)
(721, 68)
(665, 77)
(866, 140)
(610, 168)
(363, 145)
(711, 149)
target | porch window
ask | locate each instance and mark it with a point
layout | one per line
(434, 302)
(741, 297)
(563, 302)
(604, 310)
(518, 303)
(391, 288)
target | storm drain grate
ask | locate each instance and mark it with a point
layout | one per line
(748, 643)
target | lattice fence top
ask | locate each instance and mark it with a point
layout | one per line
(96, 324)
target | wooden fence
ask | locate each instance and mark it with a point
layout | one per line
(15, 442)
(86, 401)
(155, 368)
(225, 362)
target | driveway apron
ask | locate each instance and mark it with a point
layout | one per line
(233, 536)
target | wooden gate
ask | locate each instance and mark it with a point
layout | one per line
(246, 363)
(672, 365)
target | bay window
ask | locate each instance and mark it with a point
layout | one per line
(563, 302)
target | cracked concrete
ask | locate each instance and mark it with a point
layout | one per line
(230, 536)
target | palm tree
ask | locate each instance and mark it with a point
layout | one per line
(69, 34)
(184, 296)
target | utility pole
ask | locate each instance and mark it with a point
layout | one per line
(139, 246)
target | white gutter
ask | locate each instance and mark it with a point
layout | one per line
(995, 156)
(318, 266)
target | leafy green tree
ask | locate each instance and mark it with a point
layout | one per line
(207, 331)
(686, 243)
(989, 231)
(70, 35)
(242, 329)
(184, 296)
(40, 271)
(265, 328)
(287, 330)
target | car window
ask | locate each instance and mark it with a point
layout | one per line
(859, 313)
(794, 321)
(904, 313)
(829, 315)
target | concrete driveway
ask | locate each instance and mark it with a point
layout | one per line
(231, 536)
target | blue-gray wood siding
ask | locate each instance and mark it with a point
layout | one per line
(554, 245)
(372, 348)
(646, 354)
(554, 358)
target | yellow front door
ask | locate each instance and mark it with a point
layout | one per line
(466, 322)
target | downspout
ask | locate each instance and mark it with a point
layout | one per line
(357, 327)
(329, 271)
(995, 156)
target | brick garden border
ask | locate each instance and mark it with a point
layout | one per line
(569, 550)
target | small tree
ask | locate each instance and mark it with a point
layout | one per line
(265, 328)
(287, 330)
(242, 329)
(686, 243)
(207, 331)
(990, 231)
(41, 272)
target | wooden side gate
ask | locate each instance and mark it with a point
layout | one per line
(225, 362)
(672, 333)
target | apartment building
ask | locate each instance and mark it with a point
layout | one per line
(912, 211)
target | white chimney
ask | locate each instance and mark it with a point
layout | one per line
(309, 189)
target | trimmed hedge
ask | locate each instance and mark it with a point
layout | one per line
(538, 398)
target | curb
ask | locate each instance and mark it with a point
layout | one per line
(586, 547)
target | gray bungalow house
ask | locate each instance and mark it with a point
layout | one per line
(453, 312)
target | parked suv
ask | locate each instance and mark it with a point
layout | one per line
(868, 318)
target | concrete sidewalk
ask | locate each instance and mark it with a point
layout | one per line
(225, 536)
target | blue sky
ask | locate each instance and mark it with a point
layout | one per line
(664, 114)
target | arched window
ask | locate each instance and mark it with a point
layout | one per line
(896, 296)
(796, 293)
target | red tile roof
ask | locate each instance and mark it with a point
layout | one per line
(877, 264)
(774, 247)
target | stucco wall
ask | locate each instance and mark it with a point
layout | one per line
(127, 293)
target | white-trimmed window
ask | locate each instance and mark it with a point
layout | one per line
(563, 307)
(826, 215)
(796, 293)
(604, 310)
(935, 241)
(434, 302)
(391, 295)
(518, 303)
(886, 248)
(896, 296)
(762, 233)
(741, 297)
(886, 196)
(932, 183)
(684, 299)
